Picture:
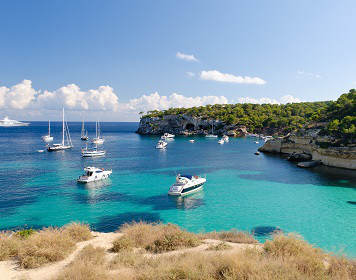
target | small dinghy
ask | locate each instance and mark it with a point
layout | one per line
(256, 142)
(191, 140)
(257, 153)
(40, 151)
(221, 141)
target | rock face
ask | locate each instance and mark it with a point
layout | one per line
(188, 125)
(308, 145)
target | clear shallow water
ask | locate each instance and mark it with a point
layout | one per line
(243, 191)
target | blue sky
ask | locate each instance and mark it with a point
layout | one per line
(304, 49)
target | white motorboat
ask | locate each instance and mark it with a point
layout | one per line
(94, 152)
(267, 138)
(40, 151)
(186, 184)
(84, 133)
(167, 136)
(93, 174)
(48, 137)
(161, 144)
(97, 139)
(221, 141)
(225, 138)
(256, 142)
(191, 140)
(65, 134)
(6, 122)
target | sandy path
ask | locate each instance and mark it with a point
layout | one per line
(10, 270)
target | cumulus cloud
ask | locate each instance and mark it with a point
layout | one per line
(265, 100)
(304, 74)
(23, 96)
(217, 76)
(155, 101)
(187, 57)
(190, 74)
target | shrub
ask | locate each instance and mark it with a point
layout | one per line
(219, 247)
(88, 265)
(78, 231)
(9, 246)
(123, 243)
(48, 245)
(231, 236)
(25, 232)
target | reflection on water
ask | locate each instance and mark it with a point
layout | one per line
(190, 201)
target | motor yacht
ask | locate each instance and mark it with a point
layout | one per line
(221, 141)
(48, 137)
(267, 138)
(167, 136)
(65, 145)
(225, 138)
(161, 144)
(6, 122)
(93, 174)
(186, 184)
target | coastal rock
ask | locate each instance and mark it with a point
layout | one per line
(308, 145)
(188, 125)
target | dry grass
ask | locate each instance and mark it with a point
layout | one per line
(131, 260)
(88, 265)
(219, 247)
(78, 231)
(230, 236)
(156, 238)
(44, 246)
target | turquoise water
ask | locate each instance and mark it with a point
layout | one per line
(243, 191)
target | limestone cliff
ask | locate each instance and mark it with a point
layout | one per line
(188, 125)
(320, 148)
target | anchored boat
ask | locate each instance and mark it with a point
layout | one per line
(65, 134)
(161, 144)
(93, 174)
(167, 136)
(6, 122)
(84, 133)
(98, 139)
(48, 137)
(186, 184)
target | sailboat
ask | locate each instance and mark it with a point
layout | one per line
(84, 133)
(92, 152)
(97, 139)
(48, 138)
(65, 134)
(212, 135)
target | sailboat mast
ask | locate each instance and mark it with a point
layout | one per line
(83, 127)
(49, 128)
(63, 128)
(96, 129)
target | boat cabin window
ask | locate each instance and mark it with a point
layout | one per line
(89, 173)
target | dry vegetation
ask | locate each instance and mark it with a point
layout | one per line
(43, 246)
(231, 236)
(138, 255)
(156, 238)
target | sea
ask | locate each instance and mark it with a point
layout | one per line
(255, 193)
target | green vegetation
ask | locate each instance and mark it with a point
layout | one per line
(286, 117)
(339, 115)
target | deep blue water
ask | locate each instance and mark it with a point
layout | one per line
(243, 191)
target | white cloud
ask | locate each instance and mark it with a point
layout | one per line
(23, 96)
(303, 74)
(217, 76)
(265, 100)
(155, 101)
(190, 74)
(187, 57)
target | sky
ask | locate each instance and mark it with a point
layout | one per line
(114, 59)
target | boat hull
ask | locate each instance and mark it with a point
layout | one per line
(188, 190)
(93, 154)
(59, 148)
(85, 179)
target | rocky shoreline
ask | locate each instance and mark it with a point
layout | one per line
(189, 125)
(309, 148)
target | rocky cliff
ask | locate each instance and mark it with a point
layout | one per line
(310, 144)
(187, 125)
